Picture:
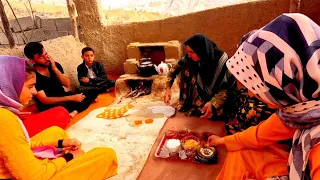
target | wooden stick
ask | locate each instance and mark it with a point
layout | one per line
(14, 14)
(6, 25)
(72, 13)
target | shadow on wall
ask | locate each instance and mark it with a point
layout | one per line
(224, 25)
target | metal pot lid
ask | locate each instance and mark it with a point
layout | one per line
(145, 66)
(146, 63)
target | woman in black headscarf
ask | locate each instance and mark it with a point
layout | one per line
(204, 81)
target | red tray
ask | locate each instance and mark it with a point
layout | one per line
(182, 154)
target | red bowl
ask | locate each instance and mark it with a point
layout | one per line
(196, 134)
(170, 134)
(182, 133)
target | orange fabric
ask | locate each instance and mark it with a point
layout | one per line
(314, 163)
(271, 161)
(264, 134)
(104, 100)
(255, 150)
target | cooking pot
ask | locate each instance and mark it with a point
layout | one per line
(145, 67)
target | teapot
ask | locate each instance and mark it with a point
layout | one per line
(163, 68)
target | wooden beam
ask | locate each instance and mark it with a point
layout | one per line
(72, 13)
(6, 25)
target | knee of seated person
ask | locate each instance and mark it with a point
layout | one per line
(56, 129)
(60, 109)
(106, 152)
(91, 93)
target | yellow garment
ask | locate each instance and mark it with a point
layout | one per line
(17, 160)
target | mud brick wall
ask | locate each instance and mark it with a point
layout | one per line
(41, 29)
(157, 90)
(172, 51)
(224, 25)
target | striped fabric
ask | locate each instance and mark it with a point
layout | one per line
(221, 64)
(280, 64)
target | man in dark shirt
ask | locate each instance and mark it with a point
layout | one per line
(50, 81)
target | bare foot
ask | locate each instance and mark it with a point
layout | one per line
(73, 113)
(110, 89)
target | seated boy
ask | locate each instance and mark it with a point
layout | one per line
(91, 74)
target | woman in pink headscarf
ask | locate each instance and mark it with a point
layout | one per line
(50, 154)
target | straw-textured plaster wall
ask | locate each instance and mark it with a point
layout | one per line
(311, 8)
(224, 25)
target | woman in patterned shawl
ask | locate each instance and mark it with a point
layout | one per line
(204, 80)
(279, 64)
(245, 111)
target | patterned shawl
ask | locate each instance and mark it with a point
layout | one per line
(211, 67)
(13, 76)
(280, 64)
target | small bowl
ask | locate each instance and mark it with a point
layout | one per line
(206, 152)
(190, 142)
(175, 147)
(182, 133)
(192, 133)
(170, 134)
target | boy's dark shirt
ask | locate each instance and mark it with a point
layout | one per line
(98, 71)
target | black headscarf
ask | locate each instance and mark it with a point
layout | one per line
(209, 55)
(210, 58)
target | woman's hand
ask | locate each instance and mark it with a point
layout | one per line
(77, 153)
(207, 110)
(72, 144)
(167, 96)
(215, 140)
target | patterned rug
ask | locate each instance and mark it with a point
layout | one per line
(132, 144)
